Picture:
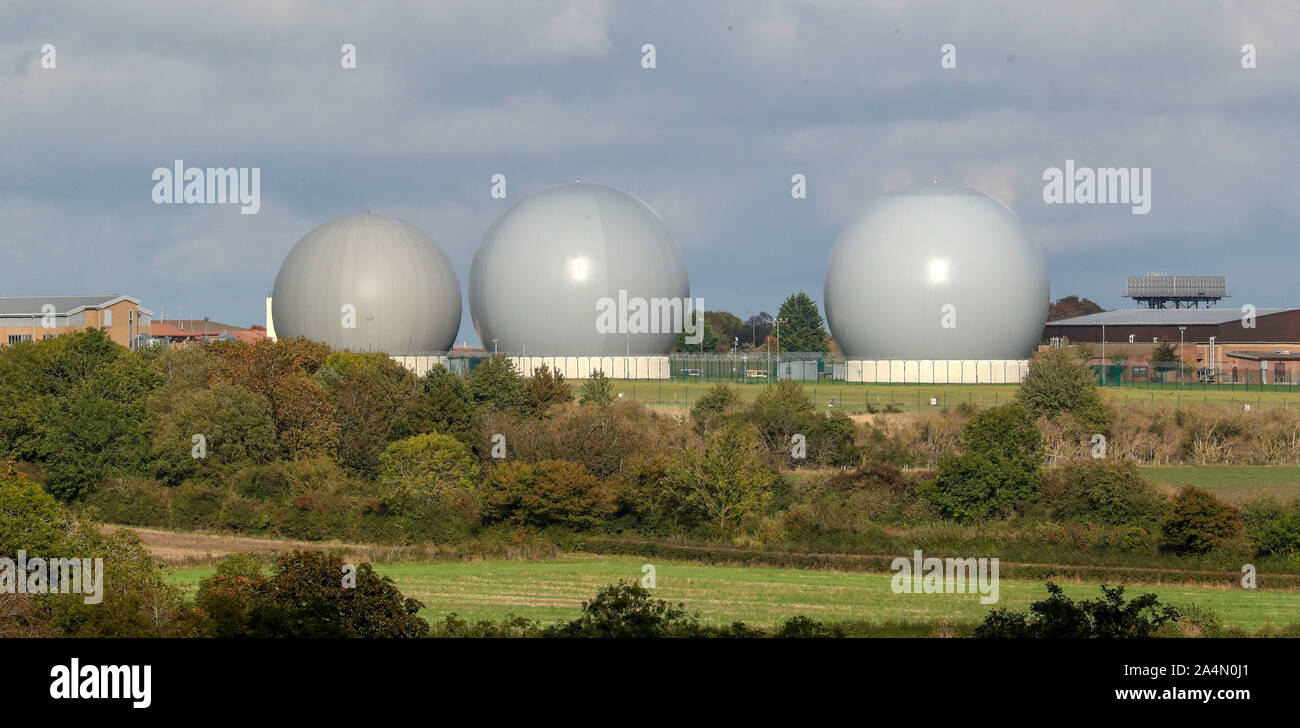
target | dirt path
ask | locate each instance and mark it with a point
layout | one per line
(189, 548)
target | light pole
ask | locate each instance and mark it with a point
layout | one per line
(778, 321)
(1103, 354)
(494, 346)
(1181, 362)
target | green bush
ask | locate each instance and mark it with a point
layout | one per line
(133, 502)
(1197, 523)
(1058, 383)
(1102, 491)
(1280, 536)
(196, 504)
(549, 493)
(306, 597)
(625, 610)
(976, 488)
(243, 515)
(597, 390)
(1058, 617)
(262, 482)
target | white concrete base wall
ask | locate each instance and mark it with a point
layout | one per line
(420, 364)
(581, 367)
(936, 371)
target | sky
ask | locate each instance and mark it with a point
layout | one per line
(743, 95)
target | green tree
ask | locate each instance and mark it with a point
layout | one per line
(727, 481)
(549, 493)
(547, 389)
(1103, 491)
(448, 407)
(1058, 383)
(707, 343)
(597, 390)
(424, 466)
(306, 597)
(997, 470)
(235, 423)
(802, 327)
(713, 405)
(376, 401)
(626, 610)
(1197, 522)
(726, 326)
(494, 383)
(1059, 617)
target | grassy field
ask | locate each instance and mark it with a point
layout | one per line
(913, 397)
(554, 589)
(1233, 483)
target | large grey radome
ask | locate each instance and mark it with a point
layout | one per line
(910, 253)
(402, 286)
(549, 259)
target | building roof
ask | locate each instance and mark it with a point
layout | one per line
(1164, 317)
(203, 325)
(32, 305)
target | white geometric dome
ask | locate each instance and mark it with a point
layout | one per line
(546, 263)
(400, 284)
(910, 254)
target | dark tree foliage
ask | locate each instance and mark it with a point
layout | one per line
(707, 344)
(450, 410)
(495, 383)
(1058, 616)
(1197, 522)
(626, 609)
(1071, 306)
(75, 403)
(547, 389)
(803, 328)
(306, 597)
(756, 329)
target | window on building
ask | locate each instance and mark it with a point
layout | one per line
(15, 338)
(108, 317)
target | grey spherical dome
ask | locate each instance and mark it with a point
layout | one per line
(547, 262)
(908, 255)
(400, 284)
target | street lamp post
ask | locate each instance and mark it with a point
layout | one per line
(1181, 361)
(779, 321)
(1103, 354)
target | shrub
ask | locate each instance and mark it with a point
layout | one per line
(196, 504)
(426, 466)
(133, 502)
(552, 492)
(547, 389)
(243, 515)
(1005, 434)
(714, 404)
(804, 627)
(626, 609)
(597, 390)
(1058, 616)
(1058, 383)
(495, 383)
(976, 487)
(727, 481)
(1102, 491)
(1197, 523)
(306, 597)
(262, 482)
(1281, 536)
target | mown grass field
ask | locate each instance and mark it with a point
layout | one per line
(553, 589)
(913, 397)
(1233, 483)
